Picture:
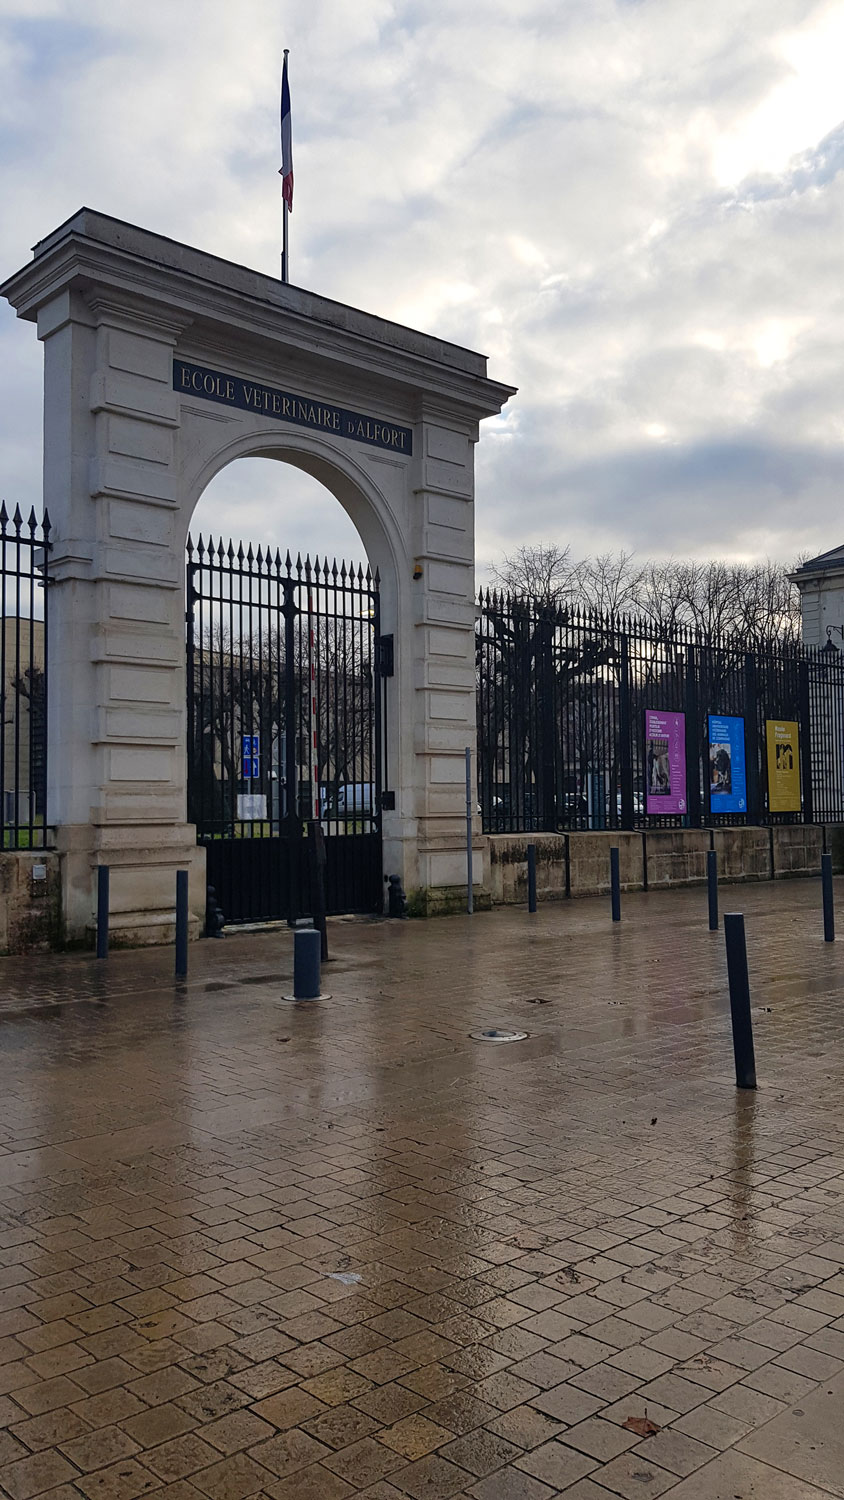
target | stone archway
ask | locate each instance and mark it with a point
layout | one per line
(162, 365)
(366, 504)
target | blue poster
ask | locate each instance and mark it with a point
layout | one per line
(727, 777)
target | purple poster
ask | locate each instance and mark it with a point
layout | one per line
(665, 762)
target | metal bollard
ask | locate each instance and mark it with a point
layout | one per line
(740, 1000)
(712, 883)
(102, 911)
(531, 863)
(181, 924)
(615, 885)
(828, 907)
(307, 947)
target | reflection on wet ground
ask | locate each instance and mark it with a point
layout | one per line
(318, 1250)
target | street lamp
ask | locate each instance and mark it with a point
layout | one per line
(830, 649)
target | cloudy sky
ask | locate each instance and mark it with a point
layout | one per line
(634, 207)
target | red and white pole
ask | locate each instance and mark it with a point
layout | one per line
(312, 737)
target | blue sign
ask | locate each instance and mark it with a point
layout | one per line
(251, 756)
(727, 774)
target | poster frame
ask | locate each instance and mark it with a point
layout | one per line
(784, 789)
(666, 727)
(730, 732)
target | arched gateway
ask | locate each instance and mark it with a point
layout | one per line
(162, 365)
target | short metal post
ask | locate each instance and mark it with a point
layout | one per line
(615, 885)
(102, 911)
(307, 947)
(470, 897)
(828, 908)
(740, 1000)
(531, 862)
(712, 882)
(181, 924)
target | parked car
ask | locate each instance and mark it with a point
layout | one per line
(638, 804)
(352, 799)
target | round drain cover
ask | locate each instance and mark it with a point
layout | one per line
(497, 1034)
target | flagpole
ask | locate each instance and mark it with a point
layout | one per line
(284, 206)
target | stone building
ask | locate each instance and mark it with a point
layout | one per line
(22, 708)
(821, 584)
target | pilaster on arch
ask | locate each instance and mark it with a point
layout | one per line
(128, 450)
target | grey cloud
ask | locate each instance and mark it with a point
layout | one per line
(526, 178)
(702, 499)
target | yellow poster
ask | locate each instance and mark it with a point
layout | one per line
(783, 765)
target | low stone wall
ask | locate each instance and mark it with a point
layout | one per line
(578, 864)
(797, 850)
(446, 900)
(30, 901)
(745, 853)
(31, 917)
(835, 845)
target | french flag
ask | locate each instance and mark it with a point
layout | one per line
(286, 170)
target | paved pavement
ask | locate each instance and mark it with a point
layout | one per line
(312, 1251)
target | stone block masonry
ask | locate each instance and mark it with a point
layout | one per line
(578, 864)
(30, 901)
(162, 365)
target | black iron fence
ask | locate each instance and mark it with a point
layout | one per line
(23, 677)
(285, 727)
(586, 721)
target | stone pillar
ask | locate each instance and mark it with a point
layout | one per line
(820, 581)
(444, 710)
(129, 449)
(116, 620)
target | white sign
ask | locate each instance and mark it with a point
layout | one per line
(251, 807)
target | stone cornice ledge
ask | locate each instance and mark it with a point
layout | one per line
(92, 249)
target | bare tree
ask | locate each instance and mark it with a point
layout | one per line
(544, 572)
(769, 604)
(756, 601)
(611, 582)
(657, 598)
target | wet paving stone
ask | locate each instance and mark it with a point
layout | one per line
(375, 1258)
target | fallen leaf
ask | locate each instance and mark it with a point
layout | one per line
(641, 1425)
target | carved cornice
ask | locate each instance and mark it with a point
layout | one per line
(116, 264)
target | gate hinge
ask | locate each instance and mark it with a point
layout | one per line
(388, 801)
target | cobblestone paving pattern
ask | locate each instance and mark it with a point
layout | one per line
(312, 1251)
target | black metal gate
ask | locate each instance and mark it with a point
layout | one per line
(284, 728)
